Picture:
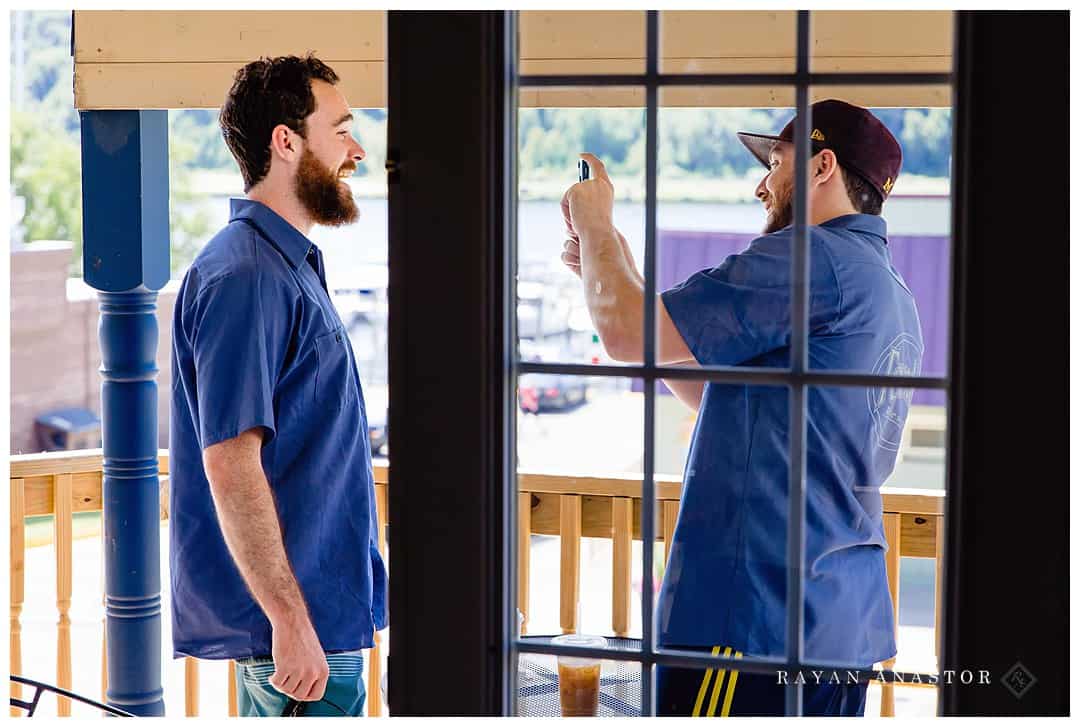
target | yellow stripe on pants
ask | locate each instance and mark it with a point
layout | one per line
(704, 686)
(731, 689)
(718, 685)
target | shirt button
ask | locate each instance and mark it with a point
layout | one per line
(338, 338)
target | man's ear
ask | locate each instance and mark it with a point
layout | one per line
(824, 165)
(285, 143)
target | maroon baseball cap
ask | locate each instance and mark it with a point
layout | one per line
(861, 142)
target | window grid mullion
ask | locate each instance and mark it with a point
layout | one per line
(648, 484)
(793, 701)
(737, 375)
(510, 330)
(691, 659)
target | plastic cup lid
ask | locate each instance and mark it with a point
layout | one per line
(595, 642)
(580, 640)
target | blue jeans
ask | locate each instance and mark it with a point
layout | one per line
(345, 693)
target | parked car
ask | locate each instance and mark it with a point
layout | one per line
(551, 392)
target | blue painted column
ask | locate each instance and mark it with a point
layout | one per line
(125, 185)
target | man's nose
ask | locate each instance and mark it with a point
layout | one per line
(762, 191)
(358, 153)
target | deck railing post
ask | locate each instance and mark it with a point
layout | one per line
(524, 544)
(62, 544)
(125, 187)
(17, 556)
(622, 534)
(191, 686)
(570, 562)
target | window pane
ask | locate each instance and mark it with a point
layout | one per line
(579, 463)
(619, 693)
(723, 520)
(881, 259)
(882, 475)
(728, 41)
(722, 282)
(554, 322)
(851, 41)
(581, 42)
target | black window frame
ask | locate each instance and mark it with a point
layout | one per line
(450, 509)
(797, 377)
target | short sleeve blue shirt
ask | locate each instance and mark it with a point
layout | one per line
(726, 580)
(257, 343)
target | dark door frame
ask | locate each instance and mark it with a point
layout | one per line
(451, 112)
(1006, 595)
(451, 109)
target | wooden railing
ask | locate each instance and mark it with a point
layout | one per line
(610, 507)
(62, 484)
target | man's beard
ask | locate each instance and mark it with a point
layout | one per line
(781, 214)
(326, 198)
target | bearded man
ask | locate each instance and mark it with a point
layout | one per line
(273, 529)
(725, 585)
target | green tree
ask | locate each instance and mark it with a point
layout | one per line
(45, 172)
(189, 223)
(196, 131)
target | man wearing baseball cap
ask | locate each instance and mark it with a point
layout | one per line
(725, 584)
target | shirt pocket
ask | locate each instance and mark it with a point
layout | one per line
(334, 386)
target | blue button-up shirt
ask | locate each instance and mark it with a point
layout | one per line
(257, 343)
(726, 580)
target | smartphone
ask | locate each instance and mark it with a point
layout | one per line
(293, 708)
(582, 170)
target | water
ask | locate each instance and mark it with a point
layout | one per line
(351, 251)
(356, 255)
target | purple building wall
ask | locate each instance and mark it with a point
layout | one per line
(922, 261)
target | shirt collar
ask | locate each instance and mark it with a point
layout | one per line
(292, 243)
(870, 224)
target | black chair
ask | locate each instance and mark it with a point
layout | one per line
(40, 688)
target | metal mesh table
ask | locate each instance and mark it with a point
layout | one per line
(538, 683)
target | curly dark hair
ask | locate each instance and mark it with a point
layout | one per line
(265, 93)
(864, 197)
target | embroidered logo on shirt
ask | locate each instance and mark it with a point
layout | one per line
(889, 405)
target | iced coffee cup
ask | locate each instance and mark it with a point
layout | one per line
(579, 677)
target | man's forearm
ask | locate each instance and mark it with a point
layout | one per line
(613, 292)
(629, 257)
(249, 522)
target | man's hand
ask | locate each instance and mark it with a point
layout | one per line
(587, 206)
(300, 668)
(614, 290)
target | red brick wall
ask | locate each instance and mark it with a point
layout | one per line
(54, 345)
